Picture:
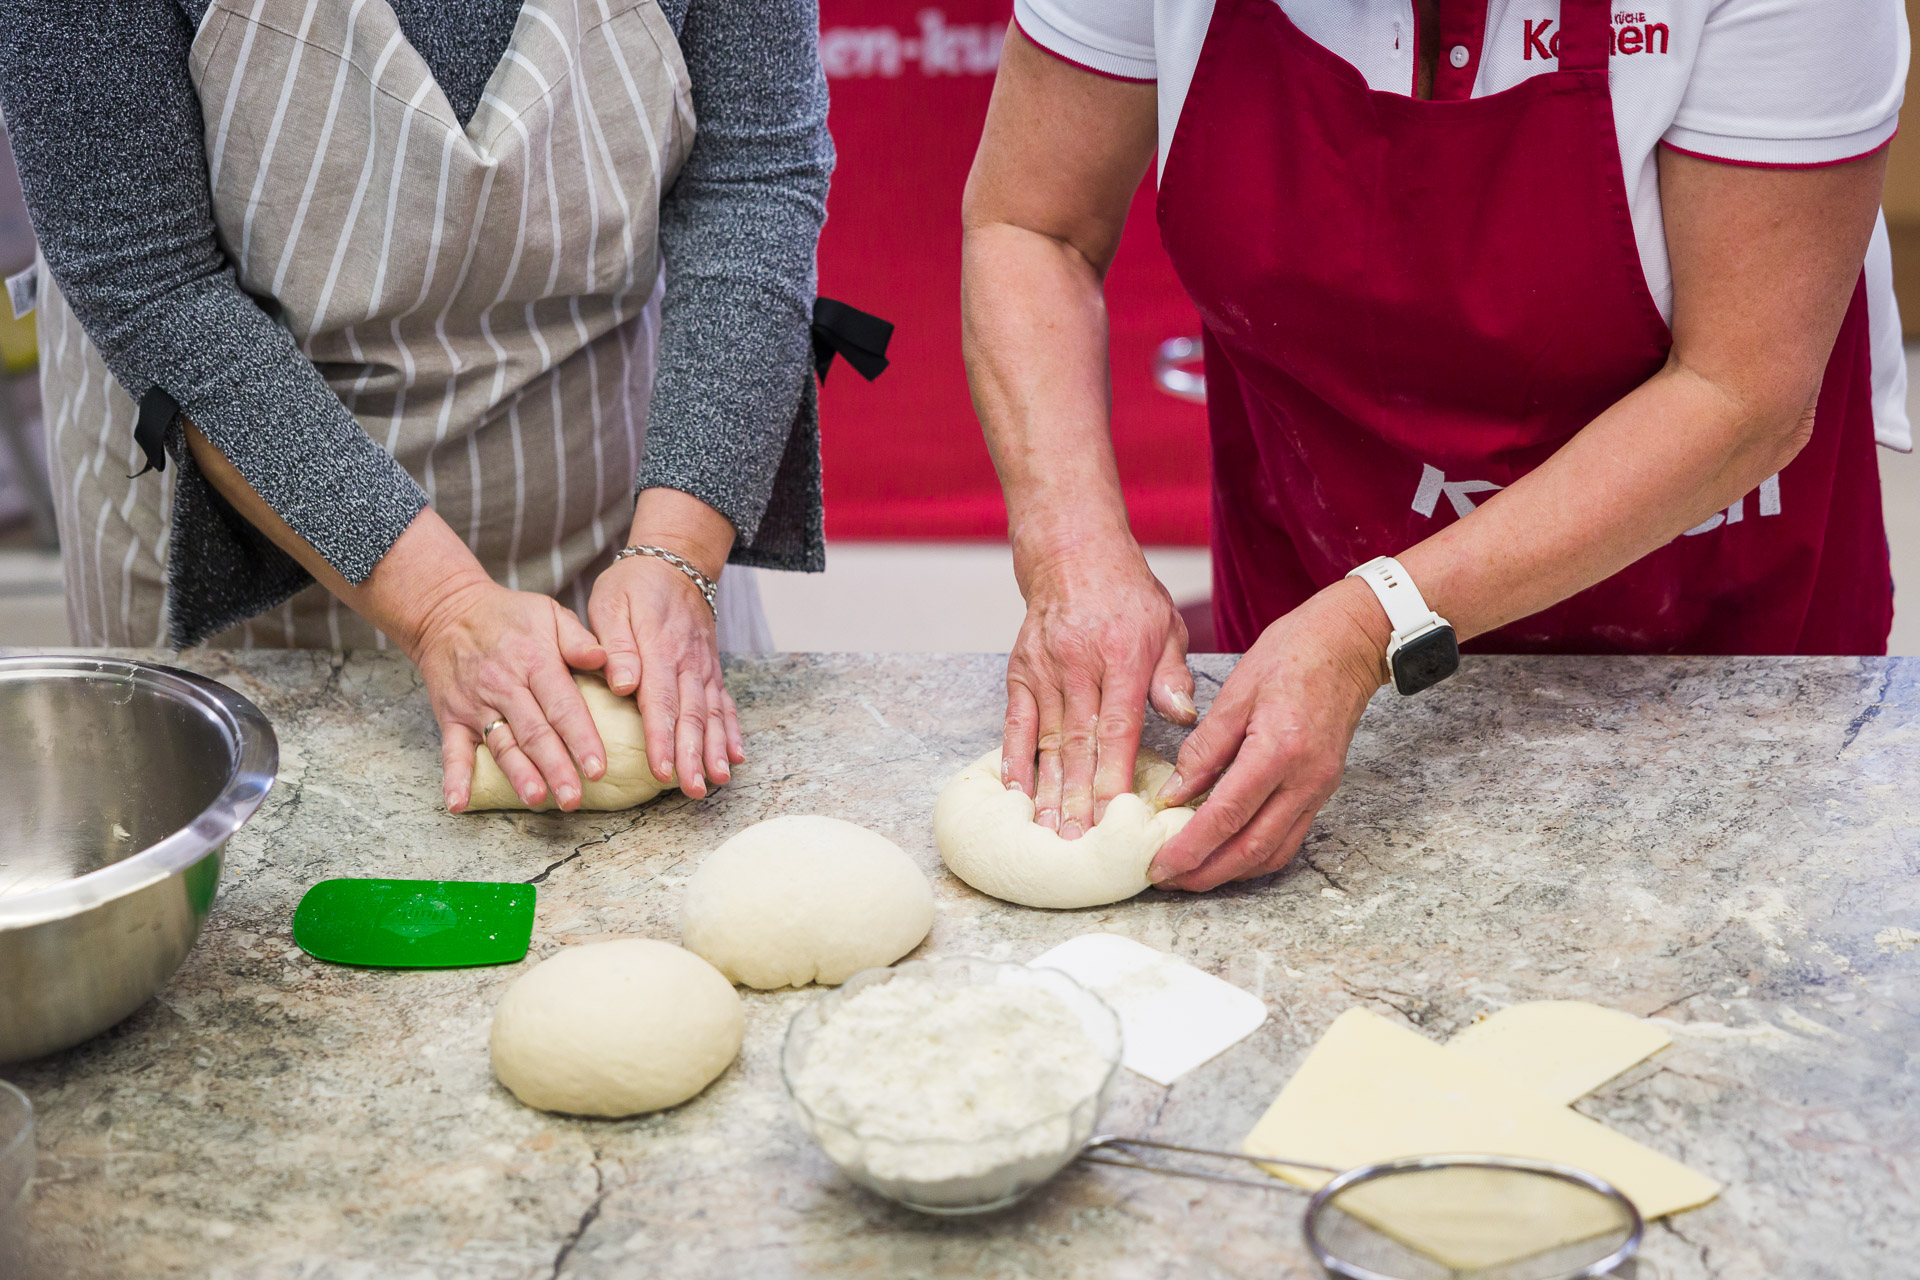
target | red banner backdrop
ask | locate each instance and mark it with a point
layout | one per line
(904, 457)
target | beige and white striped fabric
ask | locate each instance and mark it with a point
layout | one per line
(484, 299)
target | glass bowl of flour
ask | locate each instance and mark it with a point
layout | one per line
(952, 1086)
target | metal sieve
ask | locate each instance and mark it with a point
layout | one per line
(1438, 1217)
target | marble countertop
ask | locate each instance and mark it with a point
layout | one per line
(1731, 846)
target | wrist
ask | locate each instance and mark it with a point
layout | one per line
(426, 577)
(1045, 547)
(1364, 631)
(683, 524)
(429, 610)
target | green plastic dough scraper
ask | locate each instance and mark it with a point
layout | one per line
(415, 924)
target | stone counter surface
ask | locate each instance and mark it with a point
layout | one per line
(1729, 846)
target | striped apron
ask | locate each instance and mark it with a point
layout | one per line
(485, 299)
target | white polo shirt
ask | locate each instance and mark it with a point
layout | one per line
(1764, 82)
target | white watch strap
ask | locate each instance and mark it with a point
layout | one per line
(1407, 610)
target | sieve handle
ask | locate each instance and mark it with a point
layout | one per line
(1108, 1149)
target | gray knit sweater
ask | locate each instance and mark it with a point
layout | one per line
(107, 133)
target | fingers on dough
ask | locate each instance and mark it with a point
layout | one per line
(802, 899)
(987, 837)
(627, 782)
(615, 1029)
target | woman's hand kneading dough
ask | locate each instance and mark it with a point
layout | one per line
(1101, 640)
(625, 780)
(505, 654)
(987, 837)
(1274, 743)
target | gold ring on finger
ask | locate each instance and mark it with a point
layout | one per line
(492, 724)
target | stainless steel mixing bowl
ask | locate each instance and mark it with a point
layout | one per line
(119, 785)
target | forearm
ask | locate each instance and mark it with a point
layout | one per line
(1034, 327)
(424, 572)
(738, 232)
(1653, 465)
(1060, 158)
(1765, 263)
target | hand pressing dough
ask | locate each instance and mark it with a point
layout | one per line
(628, 780)
(805, 899)
(988, 838)
(615, 1029)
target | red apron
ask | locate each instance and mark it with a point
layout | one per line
(1408, 304)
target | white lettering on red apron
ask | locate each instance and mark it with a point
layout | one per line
(1434, 484)
(1631, 34)
(1769, 492)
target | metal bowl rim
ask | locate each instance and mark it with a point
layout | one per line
(256, 760)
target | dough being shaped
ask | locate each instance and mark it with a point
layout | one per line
(628, 780)
(805, 899)
(987, 837)
(1563, 1049)
(615, 1028)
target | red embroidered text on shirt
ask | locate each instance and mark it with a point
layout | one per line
(1631, 33)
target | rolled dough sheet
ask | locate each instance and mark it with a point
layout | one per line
(1563, 1049)
(1373, 1091)
(1173, 1015)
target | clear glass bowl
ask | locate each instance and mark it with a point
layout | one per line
(990, 1172)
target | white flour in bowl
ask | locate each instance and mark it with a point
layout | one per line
(952, 1095)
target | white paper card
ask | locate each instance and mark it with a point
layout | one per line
(1173, 1016)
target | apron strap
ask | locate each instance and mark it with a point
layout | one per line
(1586, 34)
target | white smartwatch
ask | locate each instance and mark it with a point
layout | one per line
(1423, 651)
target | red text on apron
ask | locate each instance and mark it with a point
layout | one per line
(1409, 303)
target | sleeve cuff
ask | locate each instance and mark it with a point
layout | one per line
(318, 470)
(1073, 43)
(1781, 153)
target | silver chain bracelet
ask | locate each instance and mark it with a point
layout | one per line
(708, 587)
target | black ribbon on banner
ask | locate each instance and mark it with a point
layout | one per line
(858, 338)
(157, 412)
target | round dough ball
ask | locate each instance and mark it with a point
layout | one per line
(615, 1028)
(987, 837)
(805, 899)
(628, 780)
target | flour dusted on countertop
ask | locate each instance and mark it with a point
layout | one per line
(912, 1062)
(1893, 939)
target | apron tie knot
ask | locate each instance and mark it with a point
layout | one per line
(157, 412)
(859, 338)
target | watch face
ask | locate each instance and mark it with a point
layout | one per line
(1426, 660)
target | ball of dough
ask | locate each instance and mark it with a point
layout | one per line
(628, 780)
(987, 837)
(615, 1028)
(805, 899)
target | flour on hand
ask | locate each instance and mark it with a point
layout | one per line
(988, 838)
